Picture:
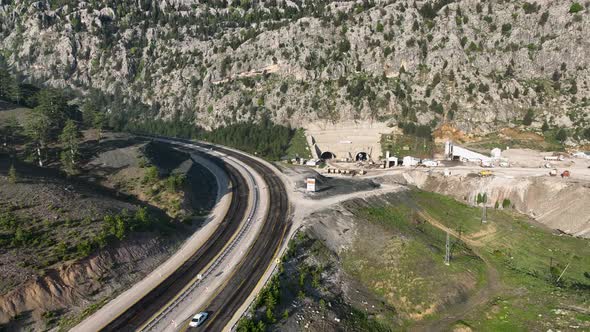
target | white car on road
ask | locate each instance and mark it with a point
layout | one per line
(198, 319)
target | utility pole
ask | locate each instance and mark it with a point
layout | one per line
(484, 214)
(561, 275)
(448, 251)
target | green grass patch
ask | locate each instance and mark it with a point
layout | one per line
(20, 113)
(400, 257)
(529, 259)
(516, 243)
(298, 145)
(408, 145)
(494, 140)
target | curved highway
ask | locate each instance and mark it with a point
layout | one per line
(235, 292)
(135, 316)
(223, 302)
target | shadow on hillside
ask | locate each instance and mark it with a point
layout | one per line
(29, 173)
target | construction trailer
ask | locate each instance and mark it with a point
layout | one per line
(409, 161)
(554, 158)
(429, 163)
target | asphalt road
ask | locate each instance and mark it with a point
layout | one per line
(154, 301)
(252, 268)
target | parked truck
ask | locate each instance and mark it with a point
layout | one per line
(485, 173)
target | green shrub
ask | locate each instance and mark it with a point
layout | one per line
(175, 182)
(561, 135)
(506, 203)
(151, 175)
(12, 176)
(576, 7)
(84, 248)
(528, 117)
(379, 27)
(506, 29)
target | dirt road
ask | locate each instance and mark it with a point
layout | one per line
(482, 296)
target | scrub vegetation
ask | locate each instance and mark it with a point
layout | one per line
(544, 278)
(508, 274)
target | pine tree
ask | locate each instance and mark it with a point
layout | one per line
(53, 104)
(12, 175)
(37, 128)
(561, 135)
(88, 113)
(13, 91)
(98, 123)
(69, 139)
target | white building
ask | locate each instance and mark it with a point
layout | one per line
(410, 161)
(389, 160)
(496, 153)
(455, 152)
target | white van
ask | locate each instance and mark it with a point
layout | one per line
(198, 319)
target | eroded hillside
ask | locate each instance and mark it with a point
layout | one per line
(69, 242)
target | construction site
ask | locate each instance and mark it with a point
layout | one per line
(437, 236)
(536, 183)
(370, 148)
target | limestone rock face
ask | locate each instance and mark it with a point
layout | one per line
(480, 65)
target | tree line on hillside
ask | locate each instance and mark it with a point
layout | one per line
(265, 139)
(53, 120)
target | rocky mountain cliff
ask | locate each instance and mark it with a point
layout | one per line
(477, 64)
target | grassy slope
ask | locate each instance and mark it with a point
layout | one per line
(403, 263)
(522, 140)
(524, 254)
(19, 113)
(298, 145)
(408, 145)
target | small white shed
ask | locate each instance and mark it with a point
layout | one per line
(496, 153)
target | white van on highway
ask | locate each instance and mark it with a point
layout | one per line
(198, 319)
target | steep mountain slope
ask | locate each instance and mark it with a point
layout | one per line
(480, 64)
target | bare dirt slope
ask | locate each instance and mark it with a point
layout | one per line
(67, 245)
(554, 202)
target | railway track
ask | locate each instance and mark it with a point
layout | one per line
(252, 268)
(134, 317)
